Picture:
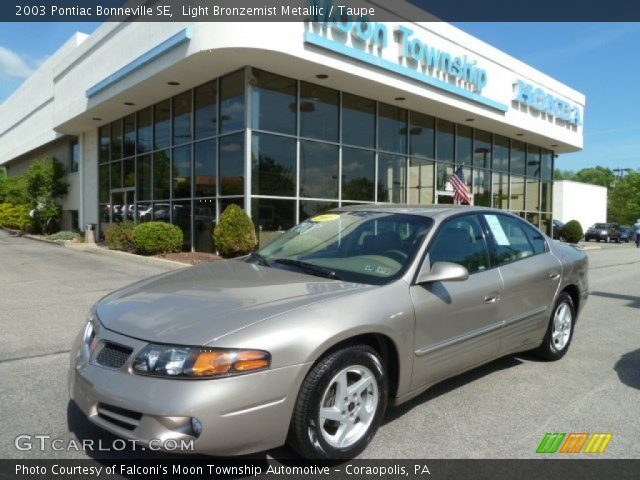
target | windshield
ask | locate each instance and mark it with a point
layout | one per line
(363, 246)
(600, 225)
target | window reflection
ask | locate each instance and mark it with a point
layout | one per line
(500, 191)
(481, 188)
(182, 218)
(444, 141)
(318, 170)
(232, 102)
(500, 153)
(162, 124)
(182, 118)
(422, 135)
(204, 220)
(517, 192)
(231, 159)
(358, 121)
(105, 142)
(273, 165)
(358, 174)
(143, 182)
(481, 149)
(392, 128)
(204, 157)
(273, 102)
(533, 194)
(116, 140)
(533, 161)
(518, 155)
(272, 217)
(205, 115)
(161, 175)
(318, 112)
(182, 172)
(391, 178)
(421, 181)
(145, 133)
(129, 145)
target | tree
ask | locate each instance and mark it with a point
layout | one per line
(44, 181)
(596, 176)
(624, 199)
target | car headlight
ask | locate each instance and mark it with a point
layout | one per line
(89, 339)
(198, 362)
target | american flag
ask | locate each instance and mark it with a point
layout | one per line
(461, 194)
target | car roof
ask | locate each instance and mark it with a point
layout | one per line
(431, 211)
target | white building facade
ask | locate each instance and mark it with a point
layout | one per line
(175, 121)
(583, 202)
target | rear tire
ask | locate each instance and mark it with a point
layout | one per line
(340, 405)
(560, 330)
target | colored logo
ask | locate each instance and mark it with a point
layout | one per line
(574, 443)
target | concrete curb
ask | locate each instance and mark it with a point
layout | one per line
(93, 248)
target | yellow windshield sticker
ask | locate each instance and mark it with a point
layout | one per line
(327, 217)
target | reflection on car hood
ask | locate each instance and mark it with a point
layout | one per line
(197, 305)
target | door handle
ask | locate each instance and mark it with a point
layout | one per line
(554, 276)
(491, 298)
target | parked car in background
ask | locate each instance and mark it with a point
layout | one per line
(627, 234)
(557, 227)
(604, 231)
(309, 339)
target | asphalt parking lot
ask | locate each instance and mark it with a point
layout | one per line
(501, 410)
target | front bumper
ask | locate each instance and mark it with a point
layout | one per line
(239, 415)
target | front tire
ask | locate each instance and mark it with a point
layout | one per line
(560, 330)
(340, 405)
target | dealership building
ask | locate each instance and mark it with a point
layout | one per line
(176, 121)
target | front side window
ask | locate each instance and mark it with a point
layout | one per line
(461, 240)
(362, 246)
(511, 240)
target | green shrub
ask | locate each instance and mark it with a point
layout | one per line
(15, 217)
(119, 236)
(65, 235)
(235, 234)
(152, 238)
(572, 232)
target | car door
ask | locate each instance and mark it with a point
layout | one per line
(530, 275)
(456, 320)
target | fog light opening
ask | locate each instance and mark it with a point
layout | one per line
(196, 426)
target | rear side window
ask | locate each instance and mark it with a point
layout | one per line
(461, 241)
(511, 238)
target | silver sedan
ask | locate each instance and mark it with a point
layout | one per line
(310, 339)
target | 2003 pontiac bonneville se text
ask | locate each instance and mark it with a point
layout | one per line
(309, 339)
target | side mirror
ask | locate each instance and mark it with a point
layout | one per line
(443, 272)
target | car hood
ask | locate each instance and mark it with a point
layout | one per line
(198, 305)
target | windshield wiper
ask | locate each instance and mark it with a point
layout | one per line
(261, 259)
(309, 268)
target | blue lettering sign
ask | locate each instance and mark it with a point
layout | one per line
(541, 101)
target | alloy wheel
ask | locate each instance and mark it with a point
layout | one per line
(562, 323)
(348, 406)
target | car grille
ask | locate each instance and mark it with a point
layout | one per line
(113, 355)
(120, 417)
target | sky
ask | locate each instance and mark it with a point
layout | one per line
(597, 59)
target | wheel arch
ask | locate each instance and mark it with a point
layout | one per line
(574, 293)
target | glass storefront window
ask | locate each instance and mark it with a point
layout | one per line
(500, 191)
(231, 160)
(358, 174)
(225, 202)
(358, 121)
(182, 218)
(204, 220)
(421, 178)
(105, 143)
(204, 158)
(481, 149)
(546, 165)
(533, 195)
(500, 153)
(392, 128)
(105, 183)
(517, 193)
(443, 172)
(273, 102)
(162, 124)
(143, 183)
(232, 102)
(144, 212)
(445, 141)
(518, 156)
(129, 142)
(318, 112)
(116, 140)
(181, 172)
(182, 118)
(272, 217)
(309, 208)
(116, 175)
(161, 175)
(318, 170)
(463, 145)
(545, 199)
(481, 188)
(205, 115)
(392, 172)
(422, 135)
(545, 223)
(145, 132)
(273, 165)
(129, 172)
(533, 161)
